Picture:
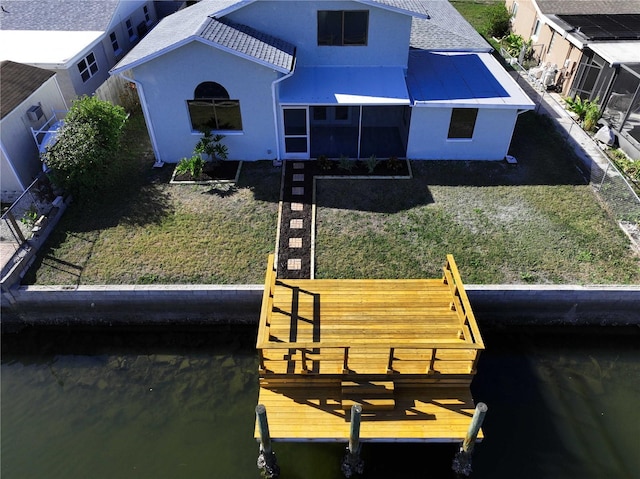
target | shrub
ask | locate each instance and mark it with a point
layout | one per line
(210, 146)
(346, 164)
(192, 165)
(82, 161)
(394, 164)
(324, 163)
(499, 21)
(372, 162)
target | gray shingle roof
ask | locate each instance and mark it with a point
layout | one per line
(17, 83)
(172, 30)
(410, 6)
(57, 15)
(250, 42)
(588, 7)
(446, 29)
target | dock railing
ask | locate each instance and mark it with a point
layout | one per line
(424, 351)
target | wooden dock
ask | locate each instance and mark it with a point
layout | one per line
(406, 350)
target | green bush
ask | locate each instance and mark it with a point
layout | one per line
(83, 161)
(499, 21)
(192, 165)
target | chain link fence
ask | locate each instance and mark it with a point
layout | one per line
(615, 190)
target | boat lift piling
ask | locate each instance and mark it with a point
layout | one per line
(462, 459)
(352, 461)
(267, 458)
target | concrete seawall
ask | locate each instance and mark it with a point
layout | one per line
(240, 304)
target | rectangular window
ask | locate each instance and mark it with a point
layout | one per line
(147, 17)
(88, 67)
(536, 29)
(552, 41)
(463, 122)
(130, 31)
(514, 10)
(343, 27)
(114, 43)
(209, 114)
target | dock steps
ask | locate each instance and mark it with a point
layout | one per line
(371, 395)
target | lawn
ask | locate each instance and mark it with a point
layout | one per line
(534, 222)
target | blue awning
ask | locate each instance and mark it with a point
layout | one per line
(345, 86)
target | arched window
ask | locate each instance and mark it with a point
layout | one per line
(212, 109)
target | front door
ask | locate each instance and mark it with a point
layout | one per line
(296, 132)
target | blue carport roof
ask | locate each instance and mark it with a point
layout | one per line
(462, 80)
(346, 86)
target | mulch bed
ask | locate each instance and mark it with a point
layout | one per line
(212, 171)
(384, 167)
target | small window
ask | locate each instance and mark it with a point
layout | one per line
(114, 43)
(552, 41)
(88, 67)
(212, 109)
(130, 31)
(536, 28)
(343, 28)
(463, 122)
(147, 17)
(320, 113)
(514, 10)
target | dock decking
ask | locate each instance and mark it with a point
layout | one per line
(406, 350)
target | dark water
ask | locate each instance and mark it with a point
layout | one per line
(130, 404)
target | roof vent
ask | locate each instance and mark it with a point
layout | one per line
(35, 112)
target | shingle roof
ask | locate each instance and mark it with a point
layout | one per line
(445, 30)
(250, 42)
(57, 15)
(172, 30)
(409, 6)
(17, 83)
(588, 7)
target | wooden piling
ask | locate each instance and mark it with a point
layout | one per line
(263, 427)
(474, 427)
(354, 431)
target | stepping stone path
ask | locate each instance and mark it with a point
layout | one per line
(294, 242)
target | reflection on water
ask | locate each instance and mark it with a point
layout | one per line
(181, 405)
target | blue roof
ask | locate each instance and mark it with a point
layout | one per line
(464, 80)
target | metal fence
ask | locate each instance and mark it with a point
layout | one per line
(27, 215)
(613, 188)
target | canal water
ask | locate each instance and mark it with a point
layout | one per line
(563, 404)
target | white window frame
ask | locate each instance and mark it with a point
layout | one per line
(89, 65)
(114, 44)
(130, 30)
(536, 29)
(147, 15)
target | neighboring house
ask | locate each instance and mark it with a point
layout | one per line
(29, 96)
(296, 79)
(79, 40)
(595, 47)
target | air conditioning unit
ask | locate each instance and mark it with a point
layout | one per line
(35, 113)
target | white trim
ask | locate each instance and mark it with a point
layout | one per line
(13, 170)
(276, 119)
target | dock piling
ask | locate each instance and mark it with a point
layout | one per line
(462, 459)
(352, 462)
(267, 458)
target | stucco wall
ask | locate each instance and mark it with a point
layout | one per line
(295, 22)
(17, 141)
(170, 80)
(430, 126)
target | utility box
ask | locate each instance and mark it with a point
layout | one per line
(35, 112)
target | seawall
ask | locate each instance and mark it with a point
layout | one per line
(202, 305)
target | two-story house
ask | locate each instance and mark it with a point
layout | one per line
(298, 79)
(80, 41)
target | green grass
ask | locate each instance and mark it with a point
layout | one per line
(535, 222)
(147, 231)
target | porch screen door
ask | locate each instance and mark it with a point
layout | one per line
(296, 132)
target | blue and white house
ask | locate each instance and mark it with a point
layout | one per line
(297, 79)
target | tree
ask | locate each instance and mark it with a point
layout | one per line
(499, 21)
(84, 156)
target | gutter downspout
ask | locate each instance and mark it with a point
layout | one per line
(275, 106)
(147, 116)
